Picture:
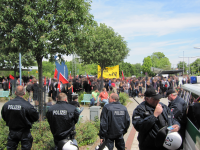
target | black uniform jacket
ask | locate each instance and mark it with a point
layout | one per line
(148, 125)
(19, 114)
(114, 121)
(178, 108)
(62, 118)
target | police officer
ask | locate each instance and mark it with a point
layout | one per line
(114, 123)
(62, 118)
(149, 117)
(178, 107)
(19, 116)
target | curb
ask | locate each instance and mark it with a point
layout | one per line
(130, 139)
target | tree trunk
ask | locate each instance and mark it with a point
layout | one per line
(101, 86)
(40, 93)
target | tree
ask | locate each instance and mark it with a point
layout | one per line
(181, 64)
(146, 66)
(128, 69)
(106, 48)
(160, 61)
(195, 66)
(138, 69)
(46, 27)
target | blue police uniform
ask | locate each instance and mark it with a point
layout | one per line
(19, 116)
(114, 123)
(148, 125)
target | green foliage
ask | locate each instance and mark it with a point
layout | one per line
(87, 132)
(181, 64)
(146, 66)
(80, 97)
(3, 134)
(26, 96)
(160, 61)
(123, 98)
(43, 138)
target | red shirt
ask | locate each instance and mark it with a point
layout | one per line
(103, 95)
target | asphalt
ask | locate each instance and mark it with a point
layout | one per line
(130, 137)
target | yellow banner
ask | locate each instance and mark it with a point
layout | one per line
(109, 72)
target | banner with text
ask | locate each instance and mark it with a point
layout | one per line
(109, 72)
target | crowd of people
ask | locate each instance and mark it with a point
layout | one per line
(150, 118)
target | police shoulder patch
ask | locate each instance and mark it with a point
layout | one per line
(136, 117)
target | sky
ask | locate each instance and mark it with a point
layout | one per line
(168, 26)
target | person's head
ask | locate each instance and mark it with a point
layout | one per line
(62, 97)
(171, 94)
(34, 80)
(75, 98)
(96, 90)
(20, 91)
(50, 99)
(113, 98)
(104, 89)
(148, 82)
(151, 97)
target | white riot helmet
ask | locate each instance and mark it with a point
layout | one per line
(172, 141)
(105, 148)
(67, 145)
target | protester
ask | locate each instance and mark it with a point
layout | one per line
(104, 96)
(76, 103)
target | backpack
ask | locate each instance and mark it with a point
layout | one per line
(28, 88)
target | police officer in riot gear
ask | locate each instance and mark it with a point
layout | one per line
(62, 118)
(19, 116)
(178, 107)
(149, 118)
(114, 123)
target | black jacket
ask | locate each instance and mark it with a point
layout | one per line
(19, 114)
(148, 125)
(178, 108)
(62, 118)
(114, 120)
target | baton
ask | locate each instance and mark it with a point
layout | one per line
(139, 104)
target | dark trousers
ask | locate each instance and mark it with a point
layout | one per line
(15, 136)
(119, 143)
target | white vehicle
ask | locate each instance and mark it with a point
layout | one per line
(191, 94)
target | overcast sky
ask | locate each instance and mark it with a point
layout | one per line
(168, 26)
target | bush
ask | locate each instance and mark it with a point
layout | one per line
(43, 138)
(80, 97)
(123, 98)
(87, 132)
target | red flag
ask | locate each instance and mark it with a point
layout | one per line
(11, 77)
(63, 79)
(59, 86)
(122, 75)
(88, 79)
(55, 73)
(45, 81)
(9, 85)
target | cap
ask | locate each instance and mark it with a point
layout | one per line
(113, 84)
(170, 91)
(151, 92)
